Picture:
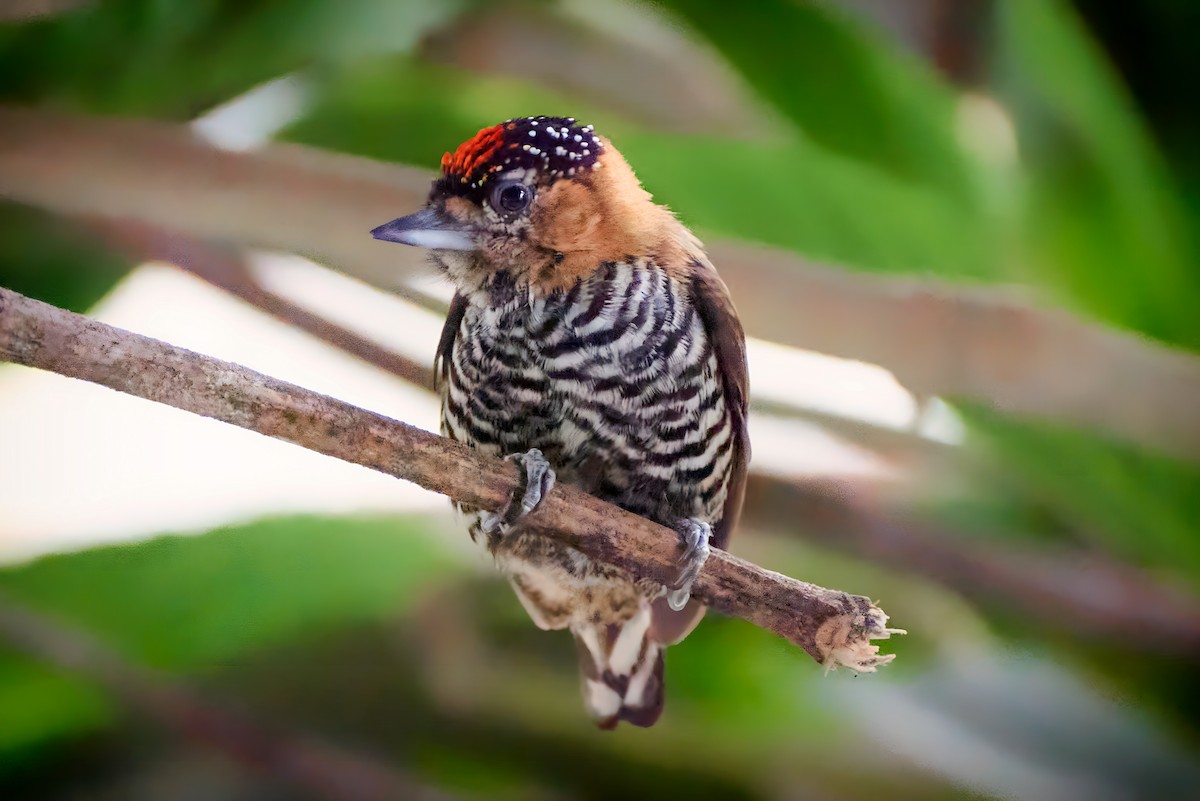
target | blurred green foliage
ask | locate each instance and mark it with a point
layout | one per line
(179, 59)
(850, 90)
(1119, 499)
(273, 609)
(1105, 224)
(53, 260)
(196, 602)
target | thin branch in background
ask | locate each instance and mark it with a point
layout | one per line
(986, 346)
(340, 337)
(319, 769)
(1085, 594)
(31, 10)
(659, 77)
(833, 627)
(227, 269)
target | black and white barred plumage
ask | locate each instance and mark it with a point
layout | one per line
(624, 367)
(616, 381)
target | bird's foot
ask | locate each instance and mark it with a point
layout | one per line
(539, 480)
(694, 535)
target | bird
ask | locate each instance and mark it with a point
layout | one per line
(590, 341)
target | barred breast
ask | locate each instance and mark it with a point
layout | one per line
(619, 384)
(615, 381)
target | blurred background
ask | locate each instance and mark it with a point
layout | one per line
(962, 234)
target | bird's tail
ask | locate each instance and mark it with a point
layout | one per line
(621, 666)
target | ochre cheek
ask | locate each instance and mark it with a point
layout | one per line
(607, 217)
(567, 219)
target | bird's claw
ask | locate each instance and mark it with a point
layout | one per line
(694, 535)
(539, 480)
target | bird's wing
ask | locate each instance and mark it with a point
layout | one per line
(724, 331)
(441, 361)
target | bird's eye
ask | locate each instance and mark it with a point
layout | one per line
(511, 197)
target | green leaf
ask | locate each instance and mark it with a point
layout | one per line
(1105, 224)
(54, 261)
(798, 196)
(849, 89)
(178, 59)
(189, 601)
(1139, 506)
(199, 601)
(39, 704)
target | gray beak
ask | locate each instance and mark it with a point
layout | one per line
(428, 228)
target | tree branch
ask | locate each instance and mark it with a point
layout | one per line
(1083, 593)
(833, 627)
(226, 268)
(986, 346)
(1079, 592)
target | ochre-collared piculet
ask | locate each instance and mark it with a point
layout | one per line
(591, 341)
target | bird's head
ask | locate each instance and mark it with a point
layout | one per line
(544, 199)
